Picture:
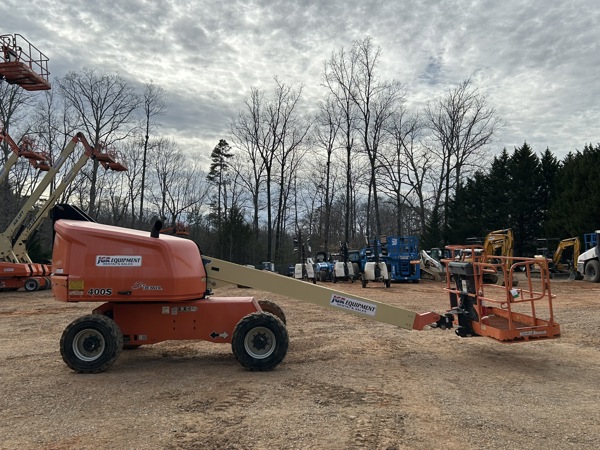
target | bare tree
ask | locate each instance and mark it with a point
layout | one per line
(461, 125)
(54, 126)
(178, 184)
(339, 79)
(132, 154)
(269, 131)
(14, 103)
(326, 131)
(105, 106)
(246, 129)
(406, 165)
(153, 104)
(376, 101)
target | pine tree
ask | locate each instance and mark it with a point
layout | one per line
(218, 176)
(576, 208)
(524, 203)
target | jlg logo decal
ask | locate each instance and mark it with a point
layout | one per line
(118, 261)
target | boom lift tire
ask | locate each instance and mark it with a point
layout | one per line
(592, 271)
(260, 341)
(91, 343)
(273, 308)
(31, 285)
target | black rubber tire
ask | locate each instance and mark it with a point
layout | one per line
(592, 271)
(260, 341)
(49, 283)
(31, 284)
(90, 344)
(273, 308)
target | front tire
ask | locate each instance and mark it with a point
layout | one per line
(592, 271)
(260, 341)
(90, 344)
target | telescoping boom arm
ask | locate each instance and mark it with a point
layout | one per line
(220, 273)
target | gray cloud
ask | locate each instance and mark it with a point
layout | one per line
(536, 61)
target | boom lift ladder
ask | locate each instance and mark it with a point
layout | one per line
(21, 63)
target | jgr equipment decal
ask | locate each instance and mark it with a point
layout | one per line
(353, 305)
(118, 261)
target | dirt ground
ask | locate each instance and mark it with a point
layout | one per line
(346, 383)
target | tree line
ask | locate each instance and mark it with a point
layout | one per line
(360, 163)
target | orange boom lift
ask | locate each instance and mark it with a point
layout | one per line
(152, 287)
(21, 63)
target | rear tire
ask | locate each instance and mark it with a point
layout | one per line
(90, 344)
(592, 271)
(260, 341)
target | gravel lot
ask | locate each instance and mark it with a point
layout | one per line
(346, 383)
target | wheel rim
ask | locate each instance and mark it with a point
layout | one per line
(260, 342)
(88, 345)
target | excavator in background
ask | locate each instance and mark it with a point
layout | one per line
(17, 270)
(151, 287)
(561, 266)
(499, 243)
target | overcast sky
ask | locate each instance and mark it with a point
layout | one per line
(537, 61)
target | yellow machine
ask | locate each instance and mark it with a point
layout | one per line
(570, 265)
(497, 248)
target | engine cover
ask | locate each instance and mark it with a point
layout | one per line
(93, 262)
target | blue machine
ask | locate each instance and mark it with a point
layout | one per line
(400, 254)
(590, 240)
(403, 259)
(323, 266)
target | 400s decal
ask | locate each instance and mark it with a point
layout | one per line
(103, 291)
